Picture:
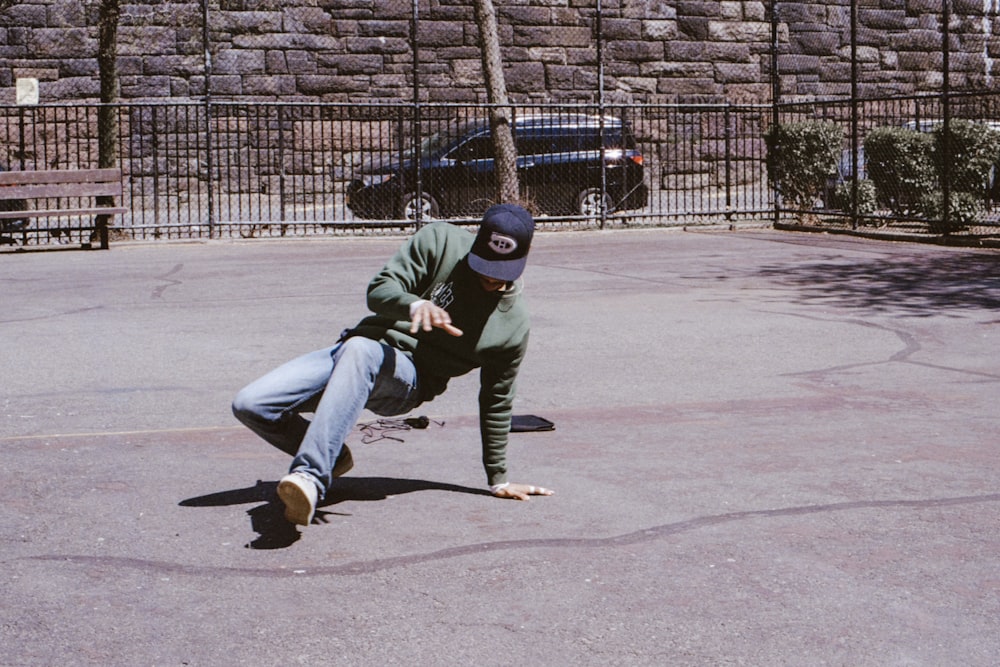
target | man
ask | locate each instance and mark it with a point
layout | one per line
(447, 302)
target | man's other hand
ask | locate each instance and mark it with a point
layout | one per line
(522, 491)
(427, 316)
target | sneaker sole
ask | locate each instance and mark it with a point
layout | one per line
(298, 509)
(345, 461)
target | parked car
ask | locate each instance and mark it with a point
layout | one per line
(844, 174)
(558, 166)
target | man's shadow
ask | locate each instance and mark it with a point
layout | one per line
(276, 532)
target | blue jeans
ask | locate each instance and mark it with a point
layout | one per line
(336, 384)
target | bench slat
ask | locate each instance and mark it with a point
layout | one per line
(53, 190)
(68, 212)
(52, 176)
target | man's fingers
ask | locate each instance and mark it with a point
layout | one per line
(442, 320)
(420, 322)
(430, 316)
(524, 491)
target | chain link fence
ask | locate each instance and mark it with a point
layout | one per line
(247, 118)
(248, 170)
(916, 162)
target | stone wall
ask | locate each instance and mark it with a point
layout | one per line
(350, 50)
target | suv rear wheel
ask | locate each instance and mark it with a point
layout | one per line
(425, 203)
(588, 202)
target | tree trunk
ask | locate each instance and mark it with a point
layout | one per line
(505, 154)
(107, 115)
(107, 62)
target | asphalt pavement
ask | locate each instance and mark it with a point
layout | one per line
(770, 449)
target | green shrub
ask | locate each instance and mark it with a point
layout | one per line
(800, 157)
(966, 209)
(867, 201)
(973, 150)
(899, 163)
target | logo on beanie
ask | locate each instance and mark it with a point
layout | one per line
(502, 244)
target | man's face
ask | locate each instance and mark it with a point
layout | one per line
(492, 284)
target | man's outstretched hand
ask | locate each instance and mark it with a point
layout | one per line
(522, 491)
(427, 316)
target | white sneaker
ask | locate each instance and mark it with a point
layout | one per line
(299, 493)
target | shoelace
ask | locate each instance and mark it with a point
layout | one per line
(382, 429)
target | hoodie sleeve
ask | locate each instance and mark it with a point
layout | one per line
(405, 276)
(498, 379)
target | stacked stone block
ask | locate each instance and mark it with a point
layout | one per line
(349, 50)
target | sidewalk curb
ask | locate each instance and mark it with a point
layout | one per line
(933, 239)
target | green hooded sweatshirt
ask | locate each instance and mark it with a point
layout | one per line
(431, 265)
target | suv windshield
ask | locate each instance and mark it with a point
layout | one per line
(576, 133)
(442, 139)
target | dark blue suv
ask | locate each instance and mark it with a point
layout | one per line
(559, 163)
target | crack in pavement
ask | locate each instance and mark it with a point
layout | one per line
(159, 290)
(49, 316)
(910, 347)
(644, 535)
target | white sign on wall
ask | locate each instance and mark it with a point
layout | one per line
(27, 91)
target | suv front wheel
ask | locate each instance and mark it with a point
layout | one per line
(588, 203)
(425, 203)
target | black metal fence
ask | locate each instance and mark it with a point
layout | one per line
(911, 180)
(219, 162)
(221, 170)
(253, 170)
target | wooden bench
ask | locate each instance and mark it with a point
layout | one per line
(52, 189)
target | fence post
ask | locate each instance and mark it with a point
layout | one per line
(155, 168)
(728, 140)
(282, 196)
(600, 110)
(775, 92)
(21, 149)
(417, 156)
(946, 112)
(854, 115)
(208, 118)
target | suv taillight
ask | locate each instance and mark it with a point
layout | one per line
(637, 158)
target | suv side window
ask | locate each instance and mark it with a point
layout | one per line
(476, 148)
(537, 145)
(589, 140)
(541, 149)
